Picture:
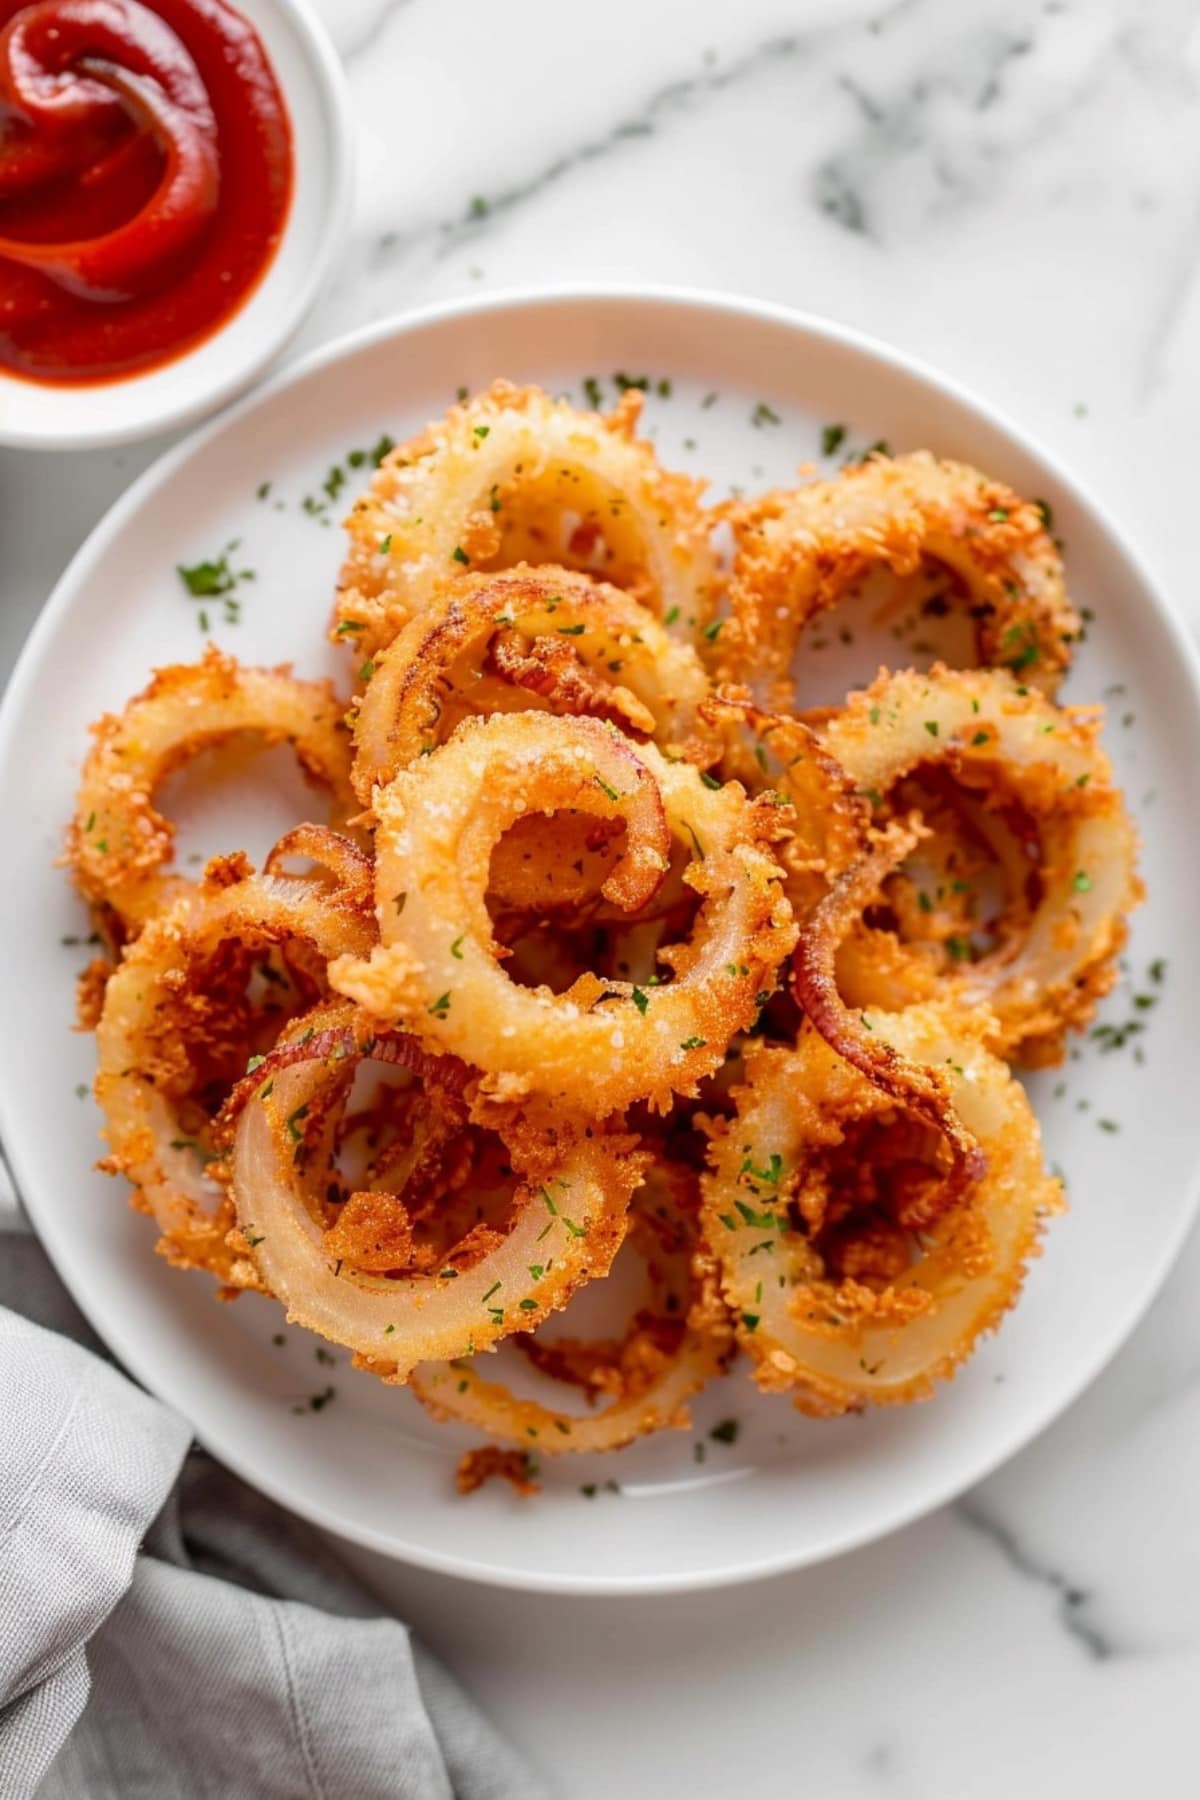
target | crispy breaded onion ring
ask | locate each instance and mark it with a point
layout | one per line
(833, 1299)
(601, 1044)
(645, 1379)
(1011, 746)
(521, 639)
(513, 476)
(800, 551)
(573, 1184)
(159, 1018)
(118, 844)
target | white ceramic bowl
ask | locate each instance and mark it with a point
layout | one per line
(372, 1466)
(42, 416)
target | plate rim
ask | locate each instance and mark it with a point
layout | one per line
(24, 674)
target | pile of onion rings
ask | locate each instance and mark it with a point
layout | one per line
(602, 942)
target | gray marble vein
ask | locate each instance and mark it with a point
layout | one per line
(670, 99)
(1073, 1602)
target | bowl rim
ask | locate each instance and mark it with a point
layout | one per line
(333, 99)
(126, 1347)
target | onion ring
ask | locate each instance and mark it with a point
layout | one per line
(145, 1076)
(437, 671)
(801, 551)
(600, 1045)
(850, 1310)
(648, 1378)
(118, 844)
(574, 1184)
(513, 476)
(983, 728)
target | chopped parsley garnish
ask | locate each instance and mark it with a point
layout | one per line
(605, 789)
(832, 439)
(1082, 882)
(460, 555)
(726, 1432)
(456, 949)
(571, 630)
(931, 726)
(712, 632)
(440, 1007)
(294, 1121)
(349, 626)
(208, 578)
(318, 1402)
(640, 1000)
(693, 1043)
(764, 415)
(591, 388)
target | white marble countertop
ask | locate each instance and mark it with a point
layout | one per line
(1011, 190)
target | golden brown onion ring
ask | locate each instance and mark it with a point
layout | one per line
(517, 640)
(568, 1219)
(602, 1044)
(146, 1082)
(118, 844)
(646, 1379)
(513, 476)
(837, 1303)
(990, 734)
(801, 551)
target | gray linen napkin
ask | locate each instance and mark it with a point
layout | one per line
(167, 1634)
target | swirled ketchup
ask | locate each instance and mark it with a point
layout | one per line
(145, 180)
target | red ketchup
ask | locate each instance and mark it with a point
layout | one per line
(145, 180)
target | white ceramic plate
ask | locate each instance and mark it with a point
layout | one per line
(53, 416)
(369, 1464)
